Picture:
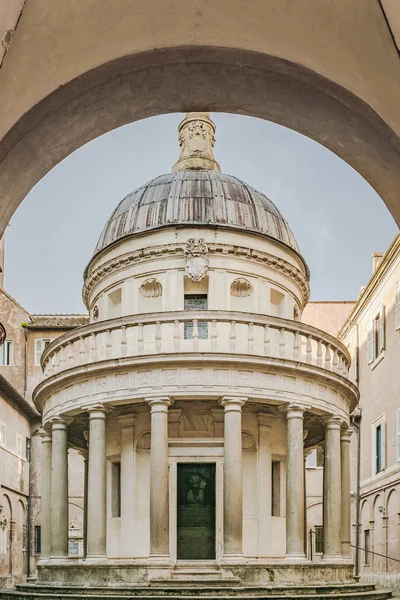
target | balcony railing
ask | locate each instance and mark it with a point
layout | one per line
(220, 332)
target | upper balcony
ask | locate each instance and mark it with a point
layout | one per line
(200, 332)
(302, 360)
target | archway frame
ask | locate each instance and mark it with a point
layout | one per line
(197, 78)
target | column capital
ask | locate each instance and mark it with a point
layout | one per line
(97, 411)
(333, 422)
(233, 403)
(60, 422)
(127, 421)
(159, 404)
(345, 434)
(294, 411)
(45, 435)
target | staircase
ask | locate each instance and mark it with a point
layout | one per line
(180, 590)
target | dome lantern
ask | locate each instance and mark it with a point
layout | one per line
(196, 141)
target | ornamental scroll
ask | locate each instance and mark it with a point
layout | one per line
(196, 259)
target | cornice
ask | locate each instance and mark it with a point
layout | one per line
(367, 294)
(142, 254)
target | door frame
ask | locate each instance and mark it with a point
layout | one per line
(191, 452)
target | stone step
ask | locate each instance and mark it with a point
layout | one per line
(171, 587)
(27, 592)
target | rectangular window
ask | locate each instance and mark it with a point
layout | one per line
(195, 302)
(38, 540)
(2, 434)
(397, 306)
(366, 547)
(319, 539)
(19, 445)
(380, 446)
(311, 461)
(40, 345)
(276, 489)
(116, 489)
(376, 335)
(7, 354)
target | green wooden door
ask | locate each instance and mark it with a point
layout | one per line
(196, 511)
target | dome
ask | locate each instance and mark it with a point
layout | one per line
(196, 197)
(196, 193)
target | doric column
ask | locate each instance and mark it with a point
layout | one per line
(59, 488)
(159, 489)
(127, 423)
(345, 438)
(233, 493)
(96, 516)
(45, 500)
(332, 490)
(85, 456)
(265, 424)
(295, 483)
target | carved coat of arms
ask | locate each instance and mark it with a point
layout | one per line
(196, 259)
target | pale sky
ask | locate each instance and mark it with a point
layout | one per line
(337, 218)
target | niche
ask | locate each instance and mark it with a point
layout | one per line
(277, 303)
(241, 295)
(150, 296)
(115, 304)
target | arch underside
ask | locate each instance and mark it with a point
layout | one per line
(194, 79)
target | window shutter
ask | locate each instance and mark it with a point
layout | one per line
(397, 306)
(370, 342)
(382, 329)
(383, 445)
(398, 432)
(38, 351)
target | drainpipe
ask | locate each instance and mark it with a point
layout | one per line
(358, 499)
(29, 508)
(25, 362)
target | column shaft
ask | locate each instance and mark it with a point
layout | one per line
(159, 488)
(96, 514)
(345, 488)
(233, 492)
(59, 489)
(295, 484)
(332, 490)
(45, 501)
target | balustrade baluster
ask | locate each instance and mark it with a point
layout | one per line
(81, 349)
(48, 366)
(267, 340)
(282, 342)
(56, 362)
(296, 345)
(319, 354)
(340, 363)
(61, 358)
(140, 338)
(195, 335)
(328, 357)
(71, 354)
(250, 338)
(308, 349)
(158, 336)
(93, 347)
(232, 337)
(176, 336)
(334, 360)
(213, 334)
(108, 343)
(124, 341)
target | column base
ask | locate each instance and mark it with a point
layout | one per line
(295, 557)
(159, 558)
(332, 558)
(235, 557)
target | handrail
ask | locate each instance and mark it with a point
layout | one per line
(365, 550)
(262, 335)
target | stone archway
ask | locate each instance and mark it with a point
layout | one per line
(318, 68)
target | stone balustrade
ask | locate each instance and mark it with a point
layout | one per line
(201, 332)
